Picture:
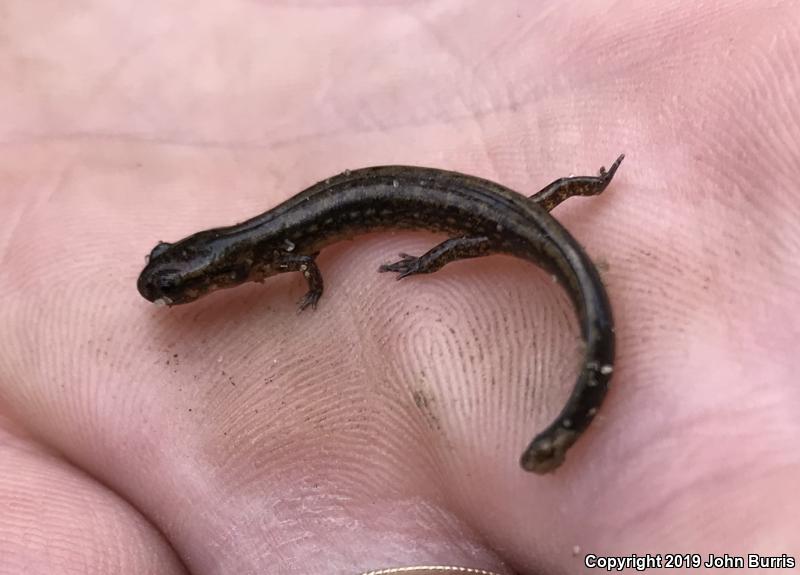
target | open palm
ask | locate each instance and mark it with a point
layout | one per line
(233, 435)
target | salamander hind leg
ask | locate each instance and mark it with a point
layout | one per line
(438, 256)
(561, 189)
(308, 267)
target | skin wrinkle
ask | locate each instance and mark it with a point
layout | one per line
(474, 114)
(12, 227)
(712, 482)
(105, 79)
(652, 443)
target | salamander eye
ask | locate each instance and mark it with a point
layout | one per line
(160, 248)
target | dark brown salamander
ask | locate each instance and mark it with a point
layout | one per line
(481, 216)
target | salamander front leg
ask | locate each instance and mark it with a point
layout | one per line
(310, 271)
(435, 258)
(563, 188)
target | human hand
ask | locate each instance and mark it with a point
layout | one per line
(383, 429)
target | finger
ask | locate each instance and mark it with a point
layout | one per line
(57, 519)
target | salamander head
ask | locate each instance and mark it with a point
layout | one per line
(189, 269)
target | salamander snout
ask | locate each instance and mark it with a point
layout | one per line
(161, 286)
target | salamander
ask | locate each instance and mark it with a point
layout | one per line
(480, 218)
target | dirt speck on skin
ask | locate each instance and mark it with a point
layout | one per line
(420, 399)
(425, 406)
